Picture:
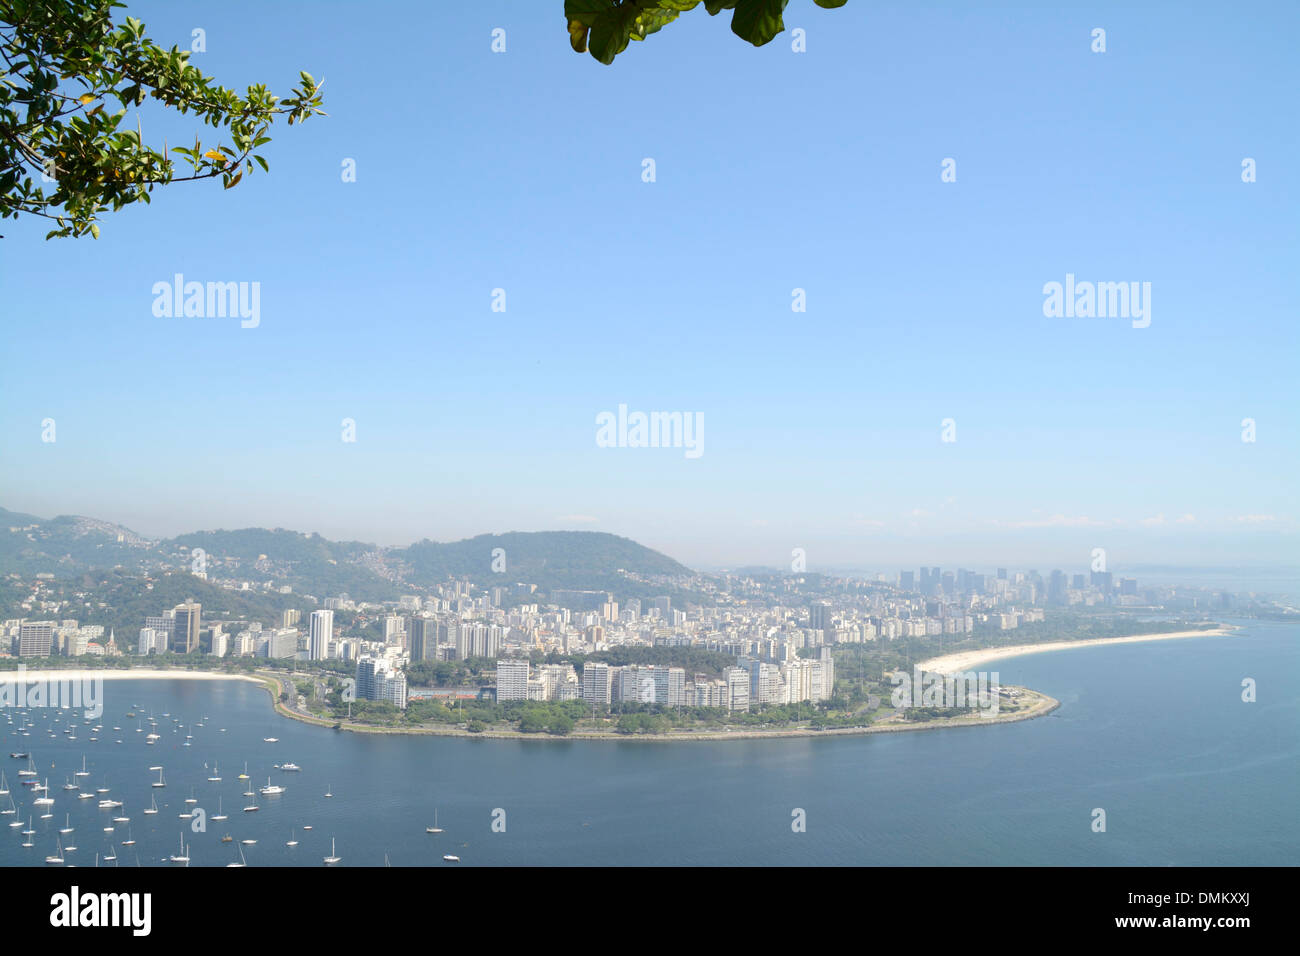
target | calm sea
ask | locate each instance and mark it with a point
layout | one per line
(1154, 734)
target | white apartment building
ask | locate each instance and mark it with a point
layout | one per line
(512, 679)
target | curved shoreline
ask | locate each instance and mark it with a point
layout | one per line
(966, 660)
(945, 664)
(1044, 706)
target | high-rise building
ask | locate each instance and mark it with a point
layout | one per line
(423, 639)
(149, 642)
(36, 638)
(906, 580)
(320, 635)
(736, 690)
(512, 679)
(282, 643)
(764, 680)
(394, 629)
(161, 625)
(819, 615)
(378, 679)
(596, 682)
(1056, 587)
(185, 627)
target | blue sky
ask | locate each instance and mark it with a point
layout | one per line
(775, 170)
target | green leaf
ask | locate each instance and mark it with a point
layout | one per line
(830, 4)
(758, 20)
(609, 35)
(586, 11)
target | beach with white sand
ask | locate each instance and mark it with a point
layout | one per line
(969, 660)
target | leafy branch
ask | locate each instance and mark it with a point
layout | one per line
(65, 63)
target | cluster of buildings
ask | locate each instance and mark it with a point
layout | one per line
(781, 641)
(64, 638)
(1025, 587)
(750, 682)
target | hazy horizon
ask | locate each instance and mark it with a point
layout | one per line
(924, 407)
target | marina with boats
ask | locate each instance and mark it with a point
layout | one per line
(59, 742)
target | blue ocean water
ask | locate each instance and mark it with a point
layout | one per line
(1155, 734)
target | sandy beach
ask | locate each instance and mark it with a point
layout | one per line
(969, 660)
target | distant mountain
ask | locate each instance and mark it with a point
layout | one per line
(305, 562)
(550, 559)
(277, 544)
(69, 546)
(66, 545)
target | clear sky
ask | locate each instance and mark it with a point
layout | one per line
(774, 170)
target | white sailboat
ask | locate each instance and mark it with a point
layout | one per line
(435, 828)
(216, 775)
(57, 857)
(183, 856)
(4, 785)
(161, 781)
(242, 861)
(83, 772)
(130, 840)
(271, 788)
(293, 839)
(252, 807)
(333, 857)
(67, 824)
(153, 806)
(45, 799)
(219, 815)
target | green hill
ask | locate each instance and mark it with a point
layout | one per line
(576, 559)
(72, 546)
